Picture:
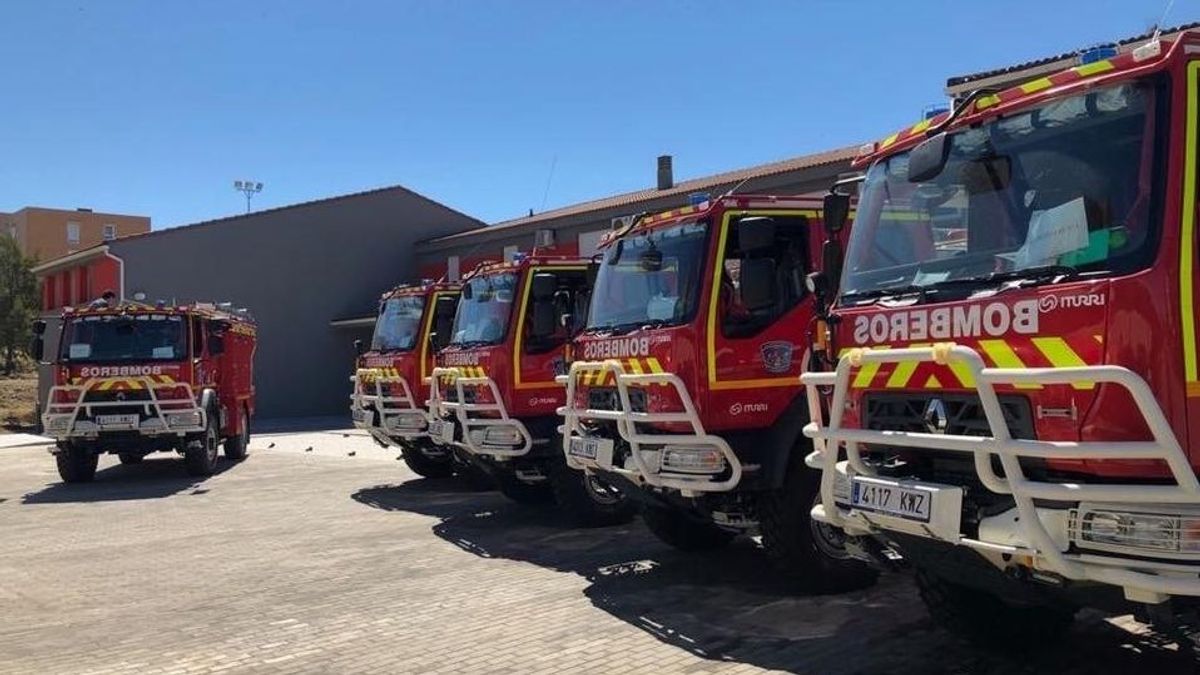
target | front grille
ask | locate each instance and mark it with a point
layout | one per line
(965, 417)
(964, 413)
(606, 398)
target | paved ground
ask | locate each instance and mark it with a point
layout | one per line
(318, 561)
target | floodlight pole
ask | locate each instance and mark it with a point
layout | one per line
(248, 188)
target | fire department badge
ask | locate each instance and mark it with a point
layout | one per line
(777, 356)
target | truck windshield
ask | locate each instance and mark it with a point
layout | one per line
(399, 324)
(482, 318)
(108, 338)
(650, 279)
(1065, 186)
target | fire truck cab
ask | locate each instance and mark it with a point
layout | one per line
(493, 395)
(131, 379)
(390, 381)
(685, 391)
(1013, 396)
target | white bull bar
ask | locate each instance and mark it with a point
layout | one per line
(176, 416)
(469, 416)
(647, 463)
(1141, 579)
(399, 414)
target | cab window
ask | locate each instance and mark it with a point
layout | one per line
(778, 264)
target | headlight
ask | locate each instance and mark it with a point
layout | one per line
(497, 435)
(1138, 531)
(693, 460)
(189, 419)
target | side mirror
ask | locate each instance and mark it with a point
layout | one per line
(818, 284)
(544, 286)
(467, 292)
(39, 327)
(758, 284)
(926, 161)
(543, 319)
(216, 344)
(831, 263)
(835, 211)
(756, 233)
(37, 348)
(358, 347)
(593, 271)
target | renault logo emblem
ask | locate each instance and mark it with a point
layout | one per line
(935, 416)
(121, 396)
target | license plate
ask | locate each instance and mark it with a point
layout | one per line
(589, 448)
(441, 430)
(117, 421)
(892, 499)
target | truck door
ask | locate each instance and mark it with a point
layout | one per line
(539, 356)
(757, 317)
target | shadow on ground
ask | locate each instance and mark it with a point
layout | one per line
(154, 478)
(726, 605)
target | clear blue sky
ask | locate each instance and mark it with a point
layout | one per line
(156, 107)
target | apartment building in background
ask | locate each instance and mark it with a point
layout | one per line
(46, 234)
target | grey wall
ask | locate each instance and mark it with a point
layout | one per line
(295, 269)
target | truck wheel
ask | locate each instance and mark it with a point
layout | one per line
(521, 492)
(424, 465)
(130, 457)
(680, 531)
(988, 621)
(200, 456)
(803, 550)
(587, 499)
(237, 447)
(76, 465)
(472, 475)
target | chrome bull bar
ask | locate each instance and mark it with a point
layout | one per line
(1030, 535)
(469, 416)
(399, 414)
(647, 462)
(179, 416)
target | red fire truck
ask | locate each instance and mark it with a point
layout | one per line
(389, 384)
(132, 379)
(495, 393)
(1015, 398)
(685, 391)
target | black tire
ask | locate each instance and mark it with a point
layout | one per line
(986, 620)
(683, 532)
(424, 465)
(76, 465)
(238, 446)
(130, 457)
(587, 500)
(200, 455)
(521, 492)
(808, 553)
(471, 474)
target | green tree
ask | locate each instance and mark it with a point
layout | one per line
(18, 302)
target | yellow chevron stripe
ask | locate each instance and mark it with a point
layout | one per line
(1060, 355)
(933, 383)
(1089, 69)
(635, 366)
(962, 373)
(866, 374)
(904, 371)
(1001, 354)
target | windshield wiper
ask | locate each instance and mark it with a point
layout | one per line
(890, 291)
(472, 343)
(1036, 273)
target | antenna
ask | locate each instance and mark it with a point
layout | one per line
(735, 188)
(546, 192)
(1162, 20)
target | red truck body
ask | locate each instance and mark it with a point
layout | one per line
(1015, 398)
(132, 379)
